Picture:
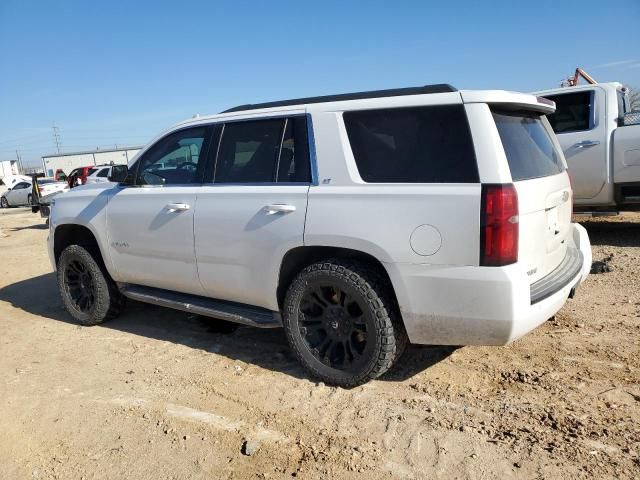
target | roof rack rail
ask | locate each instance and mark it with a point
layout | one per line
(394, 92)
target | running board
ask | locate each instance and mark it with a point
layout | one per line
(220, 309)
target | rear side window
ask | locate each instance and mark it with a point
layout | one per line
(249, 151)
(573, 112)
(103, 173)
(528, 145)
(412, 145)
(264, 151)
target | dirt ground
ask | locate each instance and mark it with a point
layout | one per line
(157, 394)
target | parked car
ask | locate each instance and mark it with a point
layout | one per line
(99, 174)
(21, 192)
(600, 138)
(358, 222)
(78, 176)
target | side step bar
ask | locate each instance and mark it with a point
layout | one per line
(223, 310)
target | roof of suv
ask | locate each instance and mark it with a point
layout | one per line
(360, 99)
(394, 92)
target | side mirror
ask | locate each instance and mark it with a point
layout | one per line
(119, 173)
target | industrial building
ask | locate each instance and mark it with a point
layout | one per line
(68, 161)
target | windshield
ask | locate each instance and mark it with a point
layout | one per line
(530, 150)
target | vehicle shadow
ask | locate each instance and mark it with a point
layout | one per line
(266, 348)
(618, 232)
(35, 226)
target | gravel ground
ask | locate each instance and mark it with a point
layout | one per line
(158, 394)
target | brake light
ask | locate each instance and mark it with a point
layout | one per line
(499, 225)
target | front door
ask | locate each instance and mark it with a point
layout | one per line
(254, 211)
(581, 133)
(150, 224)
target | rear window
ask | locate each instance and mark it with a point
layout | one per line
(573, 112)
(413, 145)
(528, 145)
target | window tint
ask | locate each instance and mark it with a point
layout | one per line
(413, 145)
(573, 112)
(91, 171)
(528, 145)
(103, 173)
(293, 164)
(175, 159)
(249, 151)
(21, 185)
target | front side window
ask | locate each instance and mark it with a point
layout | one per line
(174, 160)
(527, 144)
(412, 145)
(573, 112)
(21, 186)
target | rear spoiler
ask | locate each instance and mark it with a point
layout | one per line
(510, 100)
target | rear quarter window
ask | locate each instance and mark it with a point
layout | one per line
(412, 145)
(527, 144)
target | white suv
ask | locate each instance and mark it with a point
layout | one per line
(358, 222)
(99, 174)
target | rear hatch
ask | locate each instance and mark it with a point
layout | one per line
(544, 193)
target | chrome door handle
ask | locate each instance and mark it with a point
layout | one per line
(587, 143)
(178, 207)
(279, 208)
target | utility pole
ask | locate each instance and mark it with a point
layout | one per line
(56, 137)
(19, 159)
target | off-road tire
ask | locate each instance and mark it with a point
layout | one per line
(108, 301)
(375, 298)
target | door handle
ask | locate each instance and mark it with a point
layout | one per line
(178, 207)
(279, 208)
(587, 143)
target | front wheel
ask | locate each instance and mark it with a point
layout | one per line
(88, 292)
(342, 324)
(4, 203)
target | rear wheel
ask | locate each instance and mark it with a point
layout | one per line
(342, 323)
(88, 292)
(29, 200)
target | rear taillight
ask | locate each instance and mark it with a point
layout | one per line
(499, 225)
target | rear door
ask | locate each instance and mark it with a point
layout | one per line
(582, 137)
(544, 191)
(254, 210)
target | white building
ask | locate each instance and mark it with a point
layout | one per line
(68, 161)
(8, 167)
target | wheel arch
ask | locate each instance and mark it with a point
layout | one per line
(74, 234)
(298, 258)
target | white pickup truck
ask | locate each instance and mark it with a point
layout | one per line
(600, 138)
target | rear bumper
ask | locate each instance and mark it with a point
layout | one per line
(448, 305)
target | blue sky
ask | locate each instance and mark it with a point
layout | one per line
(116, 72)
